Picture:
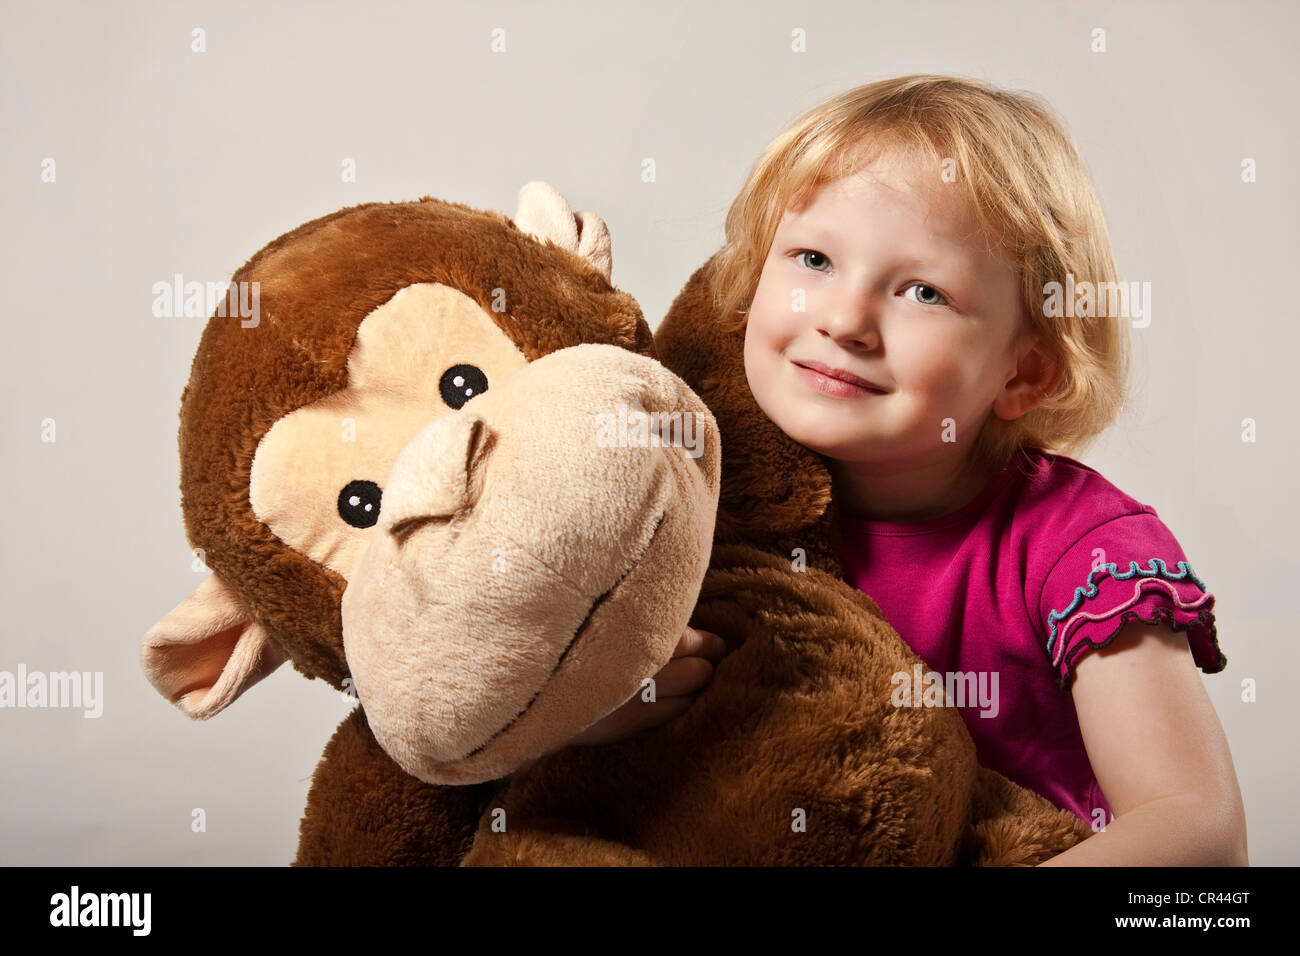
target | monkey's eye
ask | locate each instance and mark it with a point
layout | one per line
(460, 383)
(359, 503)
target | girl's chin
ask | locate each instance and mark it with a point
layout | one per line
(843, 447)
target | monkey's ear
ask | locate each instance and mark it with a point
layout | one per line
(208, 650)
(593, 243)
(545, 214)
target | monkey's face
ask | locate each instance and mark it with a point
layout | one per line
(533, 563)
(438, 468)
(522, 548)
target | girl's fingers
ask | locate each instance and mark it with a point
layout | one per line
(681, 675)
(677, 684)
(632, 718)
(662, 710)
(697, 643)
(715, 648)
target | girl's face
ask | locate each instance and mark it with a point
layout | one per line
(884, 275)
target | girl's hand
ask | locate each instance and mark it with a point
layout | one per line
(676, 686)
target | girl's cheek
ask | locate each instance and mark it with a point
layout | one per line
(759, 338)
(777, 322)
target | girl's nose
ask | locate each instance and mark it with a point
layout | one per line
(852, 321)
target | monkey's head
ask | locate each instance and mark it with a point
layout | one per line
(439, 466)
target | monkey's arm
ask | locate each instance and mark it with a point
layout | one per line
(365, 810)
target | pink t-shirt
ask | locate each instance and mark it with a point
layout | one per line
(1046, 563)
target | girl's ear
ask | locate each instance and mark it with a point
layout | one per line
(1038, 373)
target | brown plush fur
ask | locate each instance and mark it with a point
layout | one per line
(776, 494)
(364, 810)
(797, 722)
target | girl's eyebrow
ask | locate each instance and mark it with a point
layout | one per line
(806, 228)
(951, 261)
(950, 247)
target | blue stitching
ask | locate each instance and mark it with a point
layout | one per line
(1090, 590)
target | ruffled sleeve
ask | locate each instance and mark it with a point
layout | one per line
(1129, 568)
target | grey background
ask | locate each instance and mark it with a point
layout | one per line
(171, 161)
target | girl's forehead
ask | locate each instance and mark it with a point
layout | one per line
(896, 159)
(897, 188)
(928, 209)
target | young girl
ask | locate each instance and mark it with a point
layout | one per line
(890, 258)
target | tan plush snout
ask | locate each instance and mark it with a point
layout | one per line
(537, 556)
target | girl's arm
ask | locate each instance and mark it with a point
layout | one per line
(1160, 756)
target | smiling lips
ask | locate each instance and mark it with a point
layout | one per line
(836, 382)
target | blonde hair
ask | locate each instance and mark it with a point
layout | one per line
(1028, 189)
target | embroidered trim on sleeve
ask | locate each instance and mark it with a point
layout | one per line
(1149, 583)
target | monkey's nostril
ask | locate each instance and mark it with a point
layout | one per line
(403, 529)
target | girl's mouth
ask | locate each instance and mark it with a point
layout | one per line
(834, 387)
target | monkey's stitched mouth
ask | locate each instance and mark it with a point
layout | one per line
(582, 628)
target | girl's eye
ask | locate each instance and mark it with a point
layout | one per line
(812, 259)
(933, 296)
